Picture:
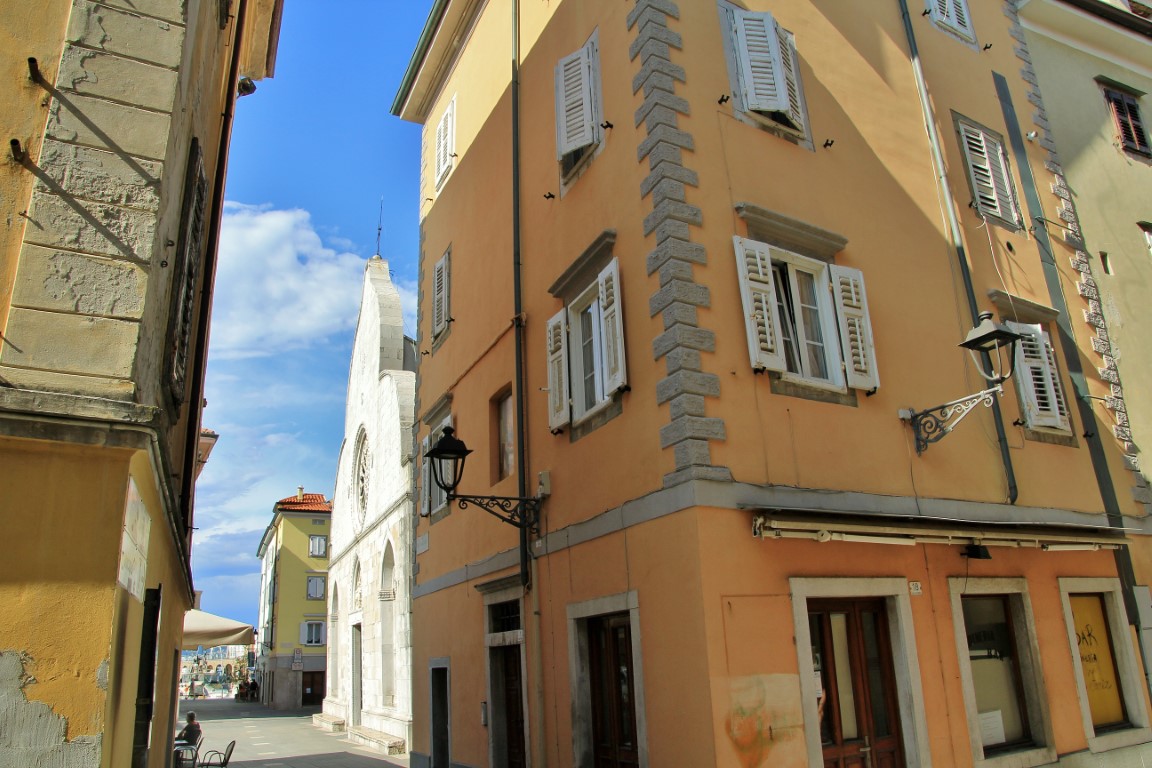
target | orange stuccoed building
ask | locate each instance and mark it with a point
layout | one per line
(693, 280)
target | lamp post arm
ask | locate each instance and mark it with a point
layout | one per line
(521, 512)
(932, 424)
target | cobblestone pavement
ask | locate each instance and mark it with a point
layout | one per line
(267, 738)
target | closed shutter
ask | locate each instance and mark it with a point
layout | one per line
(425, 477)
(855, 327)
(758, 297)
(440, 277)
(557, 333)
(1126, 110)
(576, 125)
(954, 15)
(445, 142)
(612, 329)
(988, 172)
(1037, 379)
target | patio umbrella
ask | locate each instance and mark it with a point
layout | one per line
(207, 629)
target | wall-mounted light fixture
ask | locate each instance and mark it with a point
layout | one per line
(245, 87)
(447, 458)
(989, 343)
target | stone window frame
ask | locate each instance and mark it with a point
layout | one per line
(1031, 671)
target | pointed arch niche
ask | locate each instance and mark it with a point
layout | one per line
(388, 627)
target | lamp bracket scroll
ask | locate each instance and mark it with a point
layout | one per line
(932, 424)
(523, 513)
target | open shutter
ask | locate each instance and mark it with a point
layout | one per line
(855, 327)
(425, 505)
(789, 66)
(323, 633)
(558, 410)
(1037, 380)
(954, 15)
(758, 54)
(303, 633)
(445, 141)
(612, 328)
(440, 276)
(988, 171)
(575, 115)
(1126, 110)
(758, 296)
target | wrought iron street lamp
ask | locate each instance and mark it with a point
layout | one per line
(993, 349)
(447, 457)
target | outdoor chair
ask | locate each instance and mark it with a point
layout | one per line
(216, 758)
(186, 755)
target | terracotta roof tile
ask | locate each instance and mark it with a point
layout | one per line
(308, 502)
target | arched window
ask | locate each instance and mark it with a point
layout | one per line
(357, 592)
(388, 628)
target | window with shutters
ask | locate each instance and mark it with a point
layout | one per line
(441, 273)
(316, 585)
(1038, 379)
(445, 143)
(989, 175)
(312, 633)
(433, 498)
(586, 366)
(764, 70)
(805, 319)
(184, 279)
(578, 109)
(1130, 130)
(953, 16)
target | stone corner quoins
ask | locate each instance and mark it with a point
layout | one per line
(689, 432)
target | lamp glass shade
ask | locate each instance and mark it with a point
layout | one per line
(989, 336)
(447, 457)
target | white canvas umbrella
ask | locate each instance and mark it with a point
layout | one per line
(207, 629)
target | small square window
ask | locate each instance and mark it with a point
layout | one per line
(1129, 124)
(316, 587)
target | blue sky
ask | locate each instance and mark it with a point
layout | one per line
(314, 152)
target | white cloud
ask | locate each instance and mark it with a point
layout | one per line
(279, 288)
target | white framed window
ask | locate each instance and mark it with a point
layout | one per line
(1106, 669)
(445, 142)
(317, 546)
(953, 15)
(433, 498)
(316, 587)
(313, 633)
(586, 365)
(441, 274)
(806, 319)
(989, 176)
(578, 108)
(763, 67)
(1000, 673)
(1038, 379)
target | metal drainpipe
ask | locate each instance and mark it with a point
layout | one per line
(200, 358)
(954, 233)
(535, 745)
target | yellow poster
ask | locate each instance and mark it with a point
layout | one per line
(1094, 645)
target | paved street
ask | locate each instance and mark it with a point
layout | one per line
(266, 738)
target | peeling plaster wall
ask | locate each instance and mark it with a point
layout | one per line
(31, 734)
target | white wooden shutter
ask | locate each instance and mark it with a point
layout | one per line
(789, 65)
(323, 633)
(445, 141)
(557, 332)
(425, 505)
(757, 45)
(440, 277)
(612, 328)
(855, 327)
(988, 171)
(954, 15)
(303, 633)
(576, 125)
(1037, 379)
(758, 295)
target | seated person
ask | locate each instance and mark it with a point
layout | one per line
(191, 732)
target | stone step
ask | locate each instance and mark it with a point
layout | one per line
(385, 742)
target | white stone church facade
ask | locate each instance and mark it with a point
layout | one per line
(369, 635)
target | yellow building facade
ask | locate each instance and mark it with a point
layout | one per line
(292, 642)
(116, 124)
(693, 276)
